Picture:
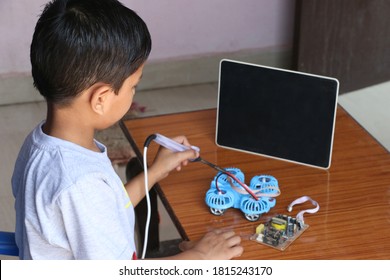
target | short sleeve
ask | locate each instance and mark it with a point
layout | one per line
(94, 224)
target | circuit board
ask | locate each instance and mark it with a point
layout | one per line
(279, 232)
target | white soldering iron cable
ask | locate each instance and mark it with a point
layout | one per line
(147, 203)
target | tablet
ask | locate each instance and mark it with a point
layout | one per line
(277, 113)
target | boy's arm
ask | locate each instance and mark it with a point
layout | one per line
(135, 188)
(163, 164)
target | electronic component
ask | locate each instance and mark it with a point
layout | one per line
(281, 230)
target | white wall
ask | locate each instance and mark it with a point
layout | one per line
(190, 27)
(179, 28)
(17, 21)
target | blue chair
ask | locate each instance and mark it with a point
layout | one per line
(8, 244)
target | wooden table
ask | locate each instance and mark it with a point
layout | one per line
(354, 194)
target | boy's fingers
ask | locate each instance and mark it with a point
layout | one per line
(236, 251)
(182, 140)
(233, 241)
(186, 245)
(228, 234)
(186, 155)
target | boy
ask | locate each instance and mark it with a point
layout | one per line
(87, 58)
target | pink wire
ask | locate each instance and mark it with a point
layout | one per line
(238, 181)
(243, 185)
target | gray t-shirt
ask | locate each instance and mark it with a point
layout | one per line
(69, 202)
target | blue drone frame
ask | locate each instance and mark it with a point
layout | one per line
(226, 192)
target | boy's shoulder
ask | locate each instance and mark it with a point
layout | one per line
(62, 161)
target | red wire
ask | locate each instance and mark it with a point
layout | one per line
(243, 185)
(216, 183)
(238, 181)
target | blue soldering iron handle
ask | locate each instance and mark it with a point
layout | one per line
(172, 145)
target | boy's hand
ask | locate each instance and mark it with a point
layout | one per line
(166, 160)
(215, 245)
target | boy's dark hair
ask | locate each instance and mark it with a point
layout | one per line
(77, 43)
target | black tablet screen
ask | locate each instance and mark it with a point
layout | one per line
(278, 113)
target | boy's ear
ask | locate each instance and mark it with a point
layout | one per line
(99, 97)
